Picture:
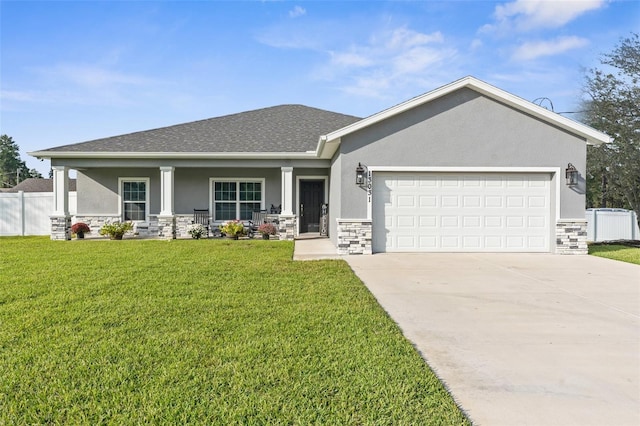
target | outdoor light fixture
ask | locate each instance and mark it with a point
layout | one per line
(360, 176)
(572, 175)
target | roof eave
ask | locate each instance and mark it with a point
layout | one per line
(176, 155)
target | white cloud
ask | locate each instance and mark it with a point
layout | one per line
(475, 44)
(371, 86)
(379, 65)
(536, 49)
(81, 84)
(90, 76)
(418, 60)
(293, 36)
(297, 11)
(402, 38)
(390, 61)
(527, 15)
(350, 59)
(19, 96)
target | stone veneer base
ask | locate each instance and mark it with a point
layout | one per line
(354, 236)
(571, 236)
(167, 227)
(60, 228)
(287, 227)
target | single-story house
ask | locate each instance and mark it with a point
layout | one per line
(466, 167)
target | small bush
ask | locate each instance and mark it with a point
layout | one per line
(232, 228)
(197, 230)
(267, 229)
(80, 228)
(116, 230)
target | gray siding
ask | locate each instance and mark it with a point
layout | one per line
(192, 186)
(462, 129)
(98, 188)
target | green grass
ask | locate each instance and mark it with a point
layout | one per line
(616, 252)
(200, 332)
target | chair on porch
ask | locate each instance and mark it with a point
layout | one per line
(201, 216)
(276, 210)
(257, 219)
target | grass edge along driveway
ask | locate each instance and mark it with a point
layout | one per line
(200, 331)
(616, 252)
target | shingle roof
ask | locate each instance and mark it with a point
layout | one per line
(284, 128)
(39, 185)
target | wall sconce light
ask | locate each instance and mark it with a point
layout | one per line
(360, 176)
(572, 175)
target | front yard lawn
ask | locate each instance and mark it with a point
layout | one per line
(616, 252)
(200, 331)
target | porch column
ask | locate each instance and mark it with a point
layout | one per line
(60, 191)
(287, 191)
(166, 218)
(287, 223)
(166, 191)
(60, 218)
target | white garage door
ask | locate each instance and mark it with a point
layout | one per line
(469, 212)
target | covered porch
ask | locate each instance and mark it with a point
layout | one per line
(161, 200)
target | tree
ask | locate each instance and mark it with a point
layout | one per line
(12, 169)
(613, 106)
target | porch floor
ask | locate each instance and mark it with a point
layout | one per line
(314, 247)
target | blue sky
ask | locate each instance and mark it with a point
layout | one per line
(81, 70)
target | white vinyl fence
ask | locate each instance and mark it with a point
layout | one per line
(27, 213)
(612, 224)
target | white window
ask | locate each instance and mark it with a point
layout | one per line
(134, 196)
(236, 198)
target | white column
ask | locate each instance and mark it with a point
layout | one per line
(60, 191)
(287, 190)
(166, 191)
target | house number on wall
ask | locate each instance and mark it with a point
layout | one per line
(369, 185)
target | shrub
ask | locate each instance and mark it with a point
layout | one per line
(80, 228)
(116, 230)
(267, 229)
(197, 230)
(233, 228)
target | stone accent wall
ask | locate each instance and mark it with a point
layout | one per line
(142, 230)
(148, 229)
(167, 227)
(182, 221)
(571, 236)
(287, 227)
(60, 228)
(354, 236)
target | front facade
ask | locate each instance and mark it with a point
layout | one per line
(464, 168)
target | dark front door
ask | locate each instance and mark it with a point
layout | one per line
(311, 200)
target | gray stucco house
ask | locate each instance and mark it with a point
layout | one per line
(464, 168)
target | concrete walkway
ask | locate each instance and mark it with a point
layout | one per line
(520, 339)
(314, 247)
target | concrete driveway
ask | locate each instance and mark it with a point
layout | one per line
(520, 339)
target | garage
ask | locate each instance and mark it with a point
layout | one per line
(461, 212)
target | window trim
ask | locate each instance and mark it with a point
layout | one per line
(121, 181)
(238, 181)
